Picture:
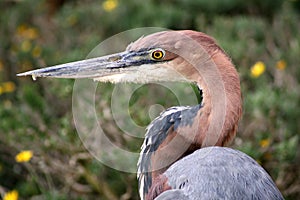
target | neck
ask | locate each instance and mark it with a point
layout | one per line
(212, 70)
(222, 104)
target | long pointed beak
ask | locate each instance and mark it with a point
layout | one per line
(90, 68)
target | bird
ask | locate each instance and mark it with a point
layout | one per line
(184, 153)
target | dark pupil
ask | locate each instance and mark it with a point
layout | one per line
(157, 54)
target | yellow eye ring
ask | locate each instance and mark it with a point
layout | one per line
(157, 54)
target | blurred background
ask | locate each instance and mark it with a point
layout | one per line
(41, 156)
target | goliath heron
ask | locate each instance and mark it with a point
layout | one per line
(181, 157)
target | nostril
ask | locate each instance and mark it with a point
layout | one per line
(114, 58)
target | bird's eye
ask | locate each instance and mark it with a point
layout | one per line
(157, 54)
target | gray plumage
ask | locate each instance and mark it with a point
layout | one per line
(219, 173)
(175, 194)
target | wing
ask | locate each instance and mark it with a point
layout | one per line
(157, 132)
(221, 173)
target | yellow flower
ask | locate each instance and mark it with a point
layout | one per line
(109, 5)
(8, 86)
(31, 33)
(27, 32)
(264, 143)
(11, 195)
(24, 156)
(258, 69)
(26, 45)
(281, 65)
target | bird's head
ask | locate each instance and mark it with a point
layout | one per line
(154, 58)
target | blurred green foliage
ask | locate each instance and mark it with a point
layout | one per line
(38, 116)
